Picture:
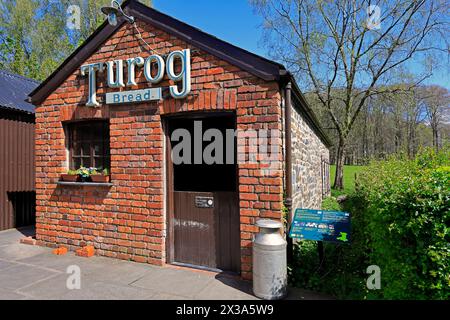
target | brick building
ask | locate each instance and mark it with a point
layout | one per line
(118, 101)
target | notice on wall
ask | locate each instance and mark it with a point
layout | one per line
(321, 225)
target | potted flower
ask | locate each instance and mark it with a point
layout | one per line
(100, 176)
(70, 176)
(85, 173)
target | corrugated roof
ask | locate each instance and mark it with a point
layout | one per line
(14, 90)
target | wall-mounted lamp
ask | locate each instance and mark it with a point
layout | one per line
(115, 11)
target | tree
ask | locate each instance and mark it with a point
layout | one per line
(32, 36)
(436, 102)
(91, 17)
(35, 37)
(356, 46)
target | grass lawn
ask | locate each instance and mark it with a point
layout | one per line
(349, 179)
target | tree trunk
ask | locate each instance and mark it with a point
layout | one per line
(435, 137)
(339, 177)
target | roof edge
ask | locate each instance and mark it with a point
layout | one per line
(19, 76)
(6, 108)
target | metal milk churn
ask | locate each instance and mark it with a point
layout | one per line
(269, 261)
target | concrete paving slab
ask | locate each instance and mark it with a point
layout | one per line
(10, 295)
(226, 287)
(123, 272)
(51, 288)
(14, 235)
(60, 263)
(17, 251)
(22, 275)
(107, 291)
(174, 281)
(6, 264)
(165, 296)
(50, 261)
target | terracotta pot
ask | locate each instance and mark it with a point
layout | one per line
(69, 177)
(100, 178)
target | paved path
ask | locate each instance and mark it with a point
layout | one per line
(32, 272)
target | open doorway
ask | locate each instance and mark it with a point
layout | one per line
(24, 208)
(203, 210)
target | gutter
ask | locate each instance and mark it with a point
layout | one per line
(288, 162)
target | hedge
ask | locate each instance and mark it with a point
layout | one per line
(400, 222)
(408, 214)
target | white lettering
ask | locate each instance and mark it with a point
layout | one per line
(179, 90)
(92, 70)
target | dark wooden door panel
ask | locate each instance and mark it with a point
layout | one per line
(227, 231)
(194, 236)
(207, 237)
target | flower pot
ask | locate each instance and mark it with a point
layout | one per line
(100, 178)
(69, 177)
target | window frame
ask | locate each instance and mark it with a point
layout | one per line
(71, 130)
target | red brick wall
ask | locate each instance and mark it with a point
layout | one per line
(127, 221)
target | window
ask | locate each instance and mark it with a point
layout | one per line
(89, 144)
(325, 171)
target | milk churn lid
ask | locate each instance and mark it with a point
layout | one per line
(270, 224)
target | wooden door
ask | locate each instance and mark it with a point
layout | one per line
(194, 236)
(206, 229)
(203, 205)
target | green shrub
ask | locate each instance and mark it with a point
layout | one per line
(330, 203)
(400, 217)
(407, 210)
(342, 274)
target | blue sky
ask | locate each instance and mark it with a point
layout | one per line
(229, 20)
(234, 21)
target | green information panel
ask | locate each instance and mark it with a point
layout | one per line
(321, 225)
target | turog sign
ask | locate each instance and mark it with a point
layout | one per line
(321, 225)
(116, 79)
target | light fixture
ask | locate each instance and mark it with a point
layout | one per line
(115, 11)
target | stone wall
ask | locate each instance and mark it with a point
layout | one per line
(310, 158)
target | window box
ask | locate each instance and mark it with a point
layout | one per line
(83, 184)
(69, 177)
(98, 178)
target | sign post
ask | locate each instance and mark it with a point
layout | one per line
(321, 225)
